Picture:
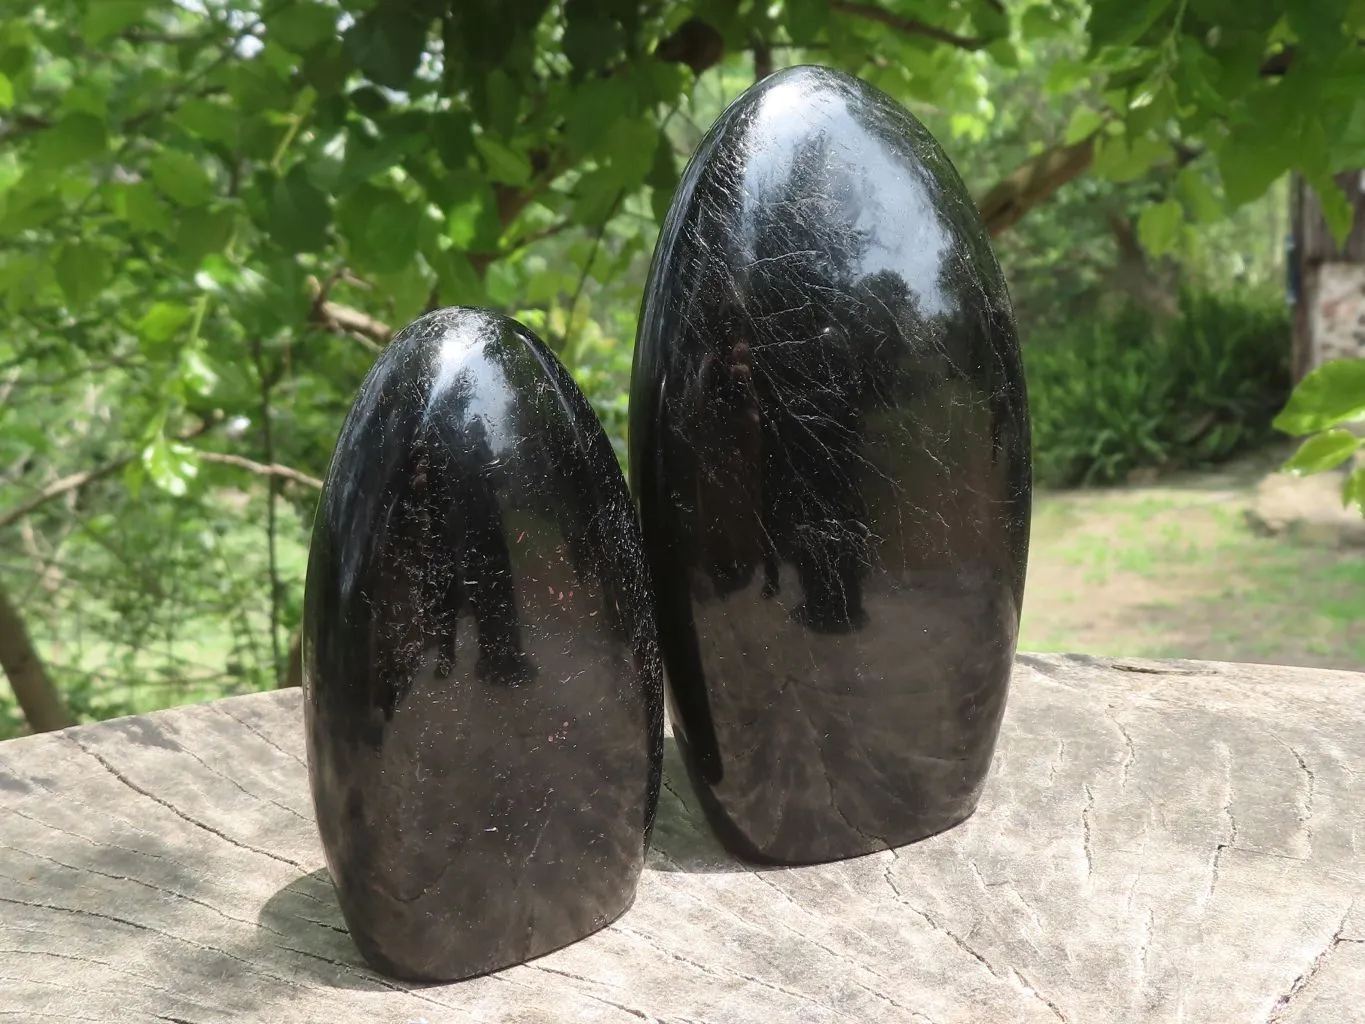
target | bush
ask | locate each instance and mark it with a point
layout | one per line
(1114, 395)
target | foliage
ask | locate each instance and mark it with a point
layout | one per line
(1328, 397)
(1114, 395)
(213, 211)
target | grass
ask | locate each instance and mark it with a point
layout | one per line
(1176, 571)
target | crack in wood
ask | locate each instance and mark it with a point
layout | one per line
(257, 732)
(1310, 796)
(1131, 756)
(255, 796)
(109, 767)
(1032, 990)
(1085, 832)
(75, 958)
(1315, 965)
(1055, 765)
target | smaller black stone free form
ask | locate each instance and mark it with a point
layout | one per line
(830, 447)
(482, 688)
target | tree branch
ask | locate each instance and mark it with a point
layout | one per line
(273, 469)
(910, 26)
(65, 485)
(348, 320)
(1032, 182)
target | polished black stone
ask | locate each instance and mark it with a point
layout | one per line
(483, 693)
(829, 444)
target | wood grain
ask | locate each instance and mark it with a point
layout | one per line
(1159, 841)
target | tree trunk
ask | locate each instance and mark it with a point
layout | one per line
(41, 704)
(1326, 280)
(293, 672)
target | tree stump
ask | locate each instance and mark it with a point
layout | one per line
(1158, 841)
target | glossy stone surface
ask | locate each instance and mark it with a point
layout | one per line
(483, 694)
(830, 450)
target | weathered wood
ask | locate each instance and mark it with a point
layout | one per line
(1158, 841)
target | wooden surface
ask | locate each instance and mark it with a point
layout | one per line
(1159, 841)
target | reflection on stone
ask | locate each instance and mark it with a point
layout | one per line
(830, 450)
(483, 694)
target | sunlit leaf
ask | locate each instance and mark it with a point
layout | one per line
(181, 178)
(161, 323)
(1323, 451)
(1159, 227)
(504, 164)
(1353, 491)
(74, 139)
(1331, 394)
(106, 18)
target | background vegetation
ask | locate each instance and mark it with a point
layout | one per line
(212, 212)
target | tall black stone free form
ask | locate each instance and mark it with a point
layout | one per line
(482, 689)
(829, 444)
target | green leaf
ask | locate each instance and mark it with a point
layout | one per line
(632, 146)
(504, 164)
(1084, 123)
(450, 130)
(1353, 492)
(196, 373)
(387, 43)
(1121, 159)
(1040, 22)
(142, 208)
(1004, 53)
(216, 122)
(325, 68)
(1195, 75)
(663, 178)
(1322, 452)
(1336, 207)
(465, 215)
(1248, 171)
(181, 178)
(1198, 195)
(299, 213)
(302, 25)
(1159, 227)
(203, 231)
(169, 466)
(107, 18)
(86, 98)
(595, 197)
(457, 283)
(383, 229)
(503, 101)
(991, 20)
(6, 92)
(1122, 22)
(407, 289)
(82, 272)
(74, 139)
(593, 108)
(591, 36)
(1331, 394)
(1348, 143)
(471, 211)
(161, 323)
(806, 19)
